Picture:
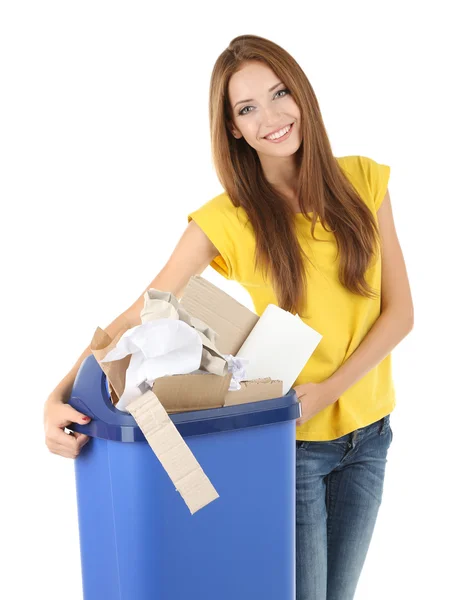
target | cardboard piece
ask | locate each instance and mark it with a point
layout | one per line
(172, 451)
(115, 371)
(231, 320)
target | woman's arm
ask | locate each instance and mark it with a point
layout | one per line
(397, 312)
(192, 254)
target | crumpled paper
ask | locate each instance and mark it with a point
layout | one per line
(169, 342)
(237, 368)
(158, 348)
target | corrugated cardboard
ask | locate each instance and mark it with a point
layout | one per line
(173, 453)
(230, 319)
(232, 322)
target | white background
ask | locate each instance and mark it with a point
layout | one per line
(105, 148)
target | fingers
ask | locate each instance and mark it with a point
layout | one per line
(66, 414)
(69, 445)
(301, 419)
(61, 450)
(81, 438)
(59, 415)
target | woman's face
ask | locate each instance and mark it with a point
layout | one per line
(268, 109)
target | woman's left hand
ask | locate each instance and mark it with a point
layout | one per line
(314, 397)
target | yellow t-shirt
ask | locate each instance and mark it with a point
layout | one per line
(343, 318)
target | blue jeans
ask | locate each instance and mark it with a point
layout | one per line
(339, 486)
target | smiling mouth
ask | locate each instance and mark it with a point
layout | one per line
(273, 140)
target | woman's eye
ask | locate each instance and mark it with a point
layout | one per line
(241, 112)
(284, 90)
(287, 91)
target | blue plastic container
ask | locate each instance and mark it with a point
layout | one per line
(138, 539)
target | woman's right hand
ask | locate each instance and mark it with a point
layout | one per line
(58, 415)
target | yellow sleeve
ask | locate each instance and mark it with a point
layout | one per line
(377, 175)
(216, 220)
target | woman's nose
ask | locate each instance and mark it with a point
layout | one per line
(271, 117)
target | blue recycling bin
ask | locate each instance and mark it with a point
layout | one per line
(138, 539)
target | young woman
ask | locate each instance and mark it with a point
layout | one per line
(314, 234)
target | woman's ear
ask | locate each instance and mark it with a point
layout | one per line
(234, 131)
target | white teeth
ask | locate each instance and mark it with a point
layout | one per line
(279, 134)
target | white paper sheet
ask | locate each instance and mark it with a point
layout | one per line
(278, 346)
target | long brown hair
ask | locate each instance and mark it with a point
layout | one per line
(322, 187)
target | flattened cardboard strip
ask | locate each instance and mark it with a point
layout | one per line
(172, 451)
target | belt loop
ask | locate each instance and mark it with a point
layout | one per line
(382, 429)
(354, 436)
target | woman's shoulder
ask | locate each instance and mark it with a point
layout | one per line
(358, 165)
(369, 177)
(218, 207)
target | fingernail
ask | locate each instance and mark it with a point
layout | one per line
(85, 418)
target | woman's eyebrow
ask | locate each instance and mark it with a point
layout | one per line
(251, 99)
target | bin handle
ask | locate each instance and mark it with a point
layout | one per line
(91, 397)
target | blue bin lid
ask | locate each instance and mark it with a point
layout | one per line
(90, 396)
